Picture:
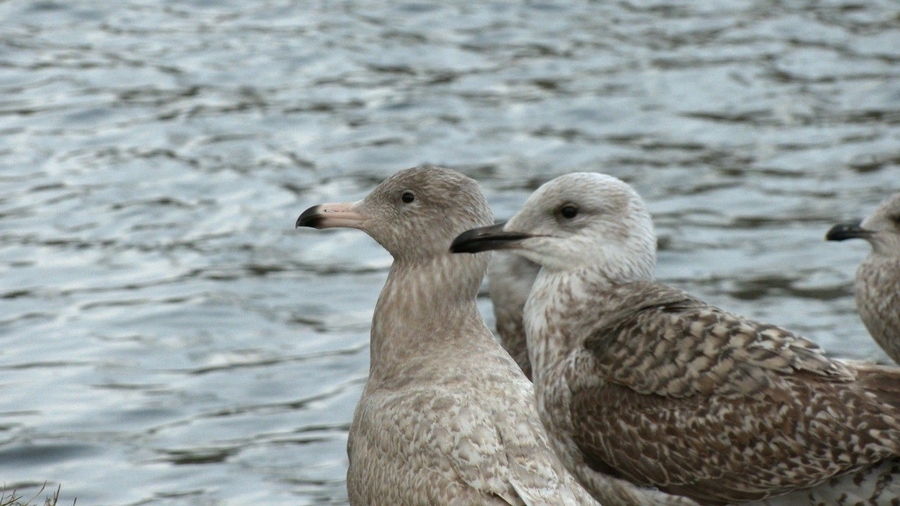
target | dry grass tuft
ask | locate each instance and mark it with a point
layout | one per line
(12, 498)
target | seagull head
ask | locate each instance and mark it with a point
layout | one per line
(881, 228)
(414, 214)
(576, 221)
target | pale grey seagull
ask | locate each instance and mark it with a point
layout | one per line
(877, 283)
(643, 381)
(446, 416)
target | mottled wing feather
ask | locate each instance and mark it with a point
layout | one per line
(881, 381)
(477, 455)
(671, 344)
(723, 449)
(497, 453)
(436, 457)
(872, 486)
(534, 470)
(683, 396)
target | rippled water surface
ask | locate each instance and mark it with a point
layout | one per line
(169, 338)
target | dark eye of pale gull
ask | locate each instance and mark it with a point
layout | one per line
(569, 211)
(407, 197)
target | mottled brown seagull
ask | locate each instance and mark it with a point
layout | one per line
(509, 282)
(643, 381)
(446, 416)
(878, 276)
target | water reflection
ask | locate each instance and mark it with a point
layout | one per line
(169, 339)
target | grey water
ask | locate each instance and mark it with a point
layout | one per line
(167, 337)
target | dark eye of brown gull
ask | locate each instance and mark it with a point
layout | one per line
(407, 197)
(569, 211)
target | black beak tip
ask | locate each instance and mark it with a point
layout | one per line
(844, 231)
(465, 241)
(485, 239)
(309, 218)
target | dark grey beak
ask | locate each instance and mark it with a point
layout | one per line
(309, 218)
(844, 231)
(486, 238)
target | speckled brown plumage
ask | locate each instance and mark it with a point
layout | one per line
(672, 392)
(877, 283)
(643, 381)
(446, 416)
(509, 282)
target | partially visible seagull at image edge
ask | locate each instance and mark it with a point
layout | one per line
(446, 416)
(877, 283)
(643, 381)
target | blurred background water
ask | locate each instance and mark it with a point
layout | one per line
(167, 337)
